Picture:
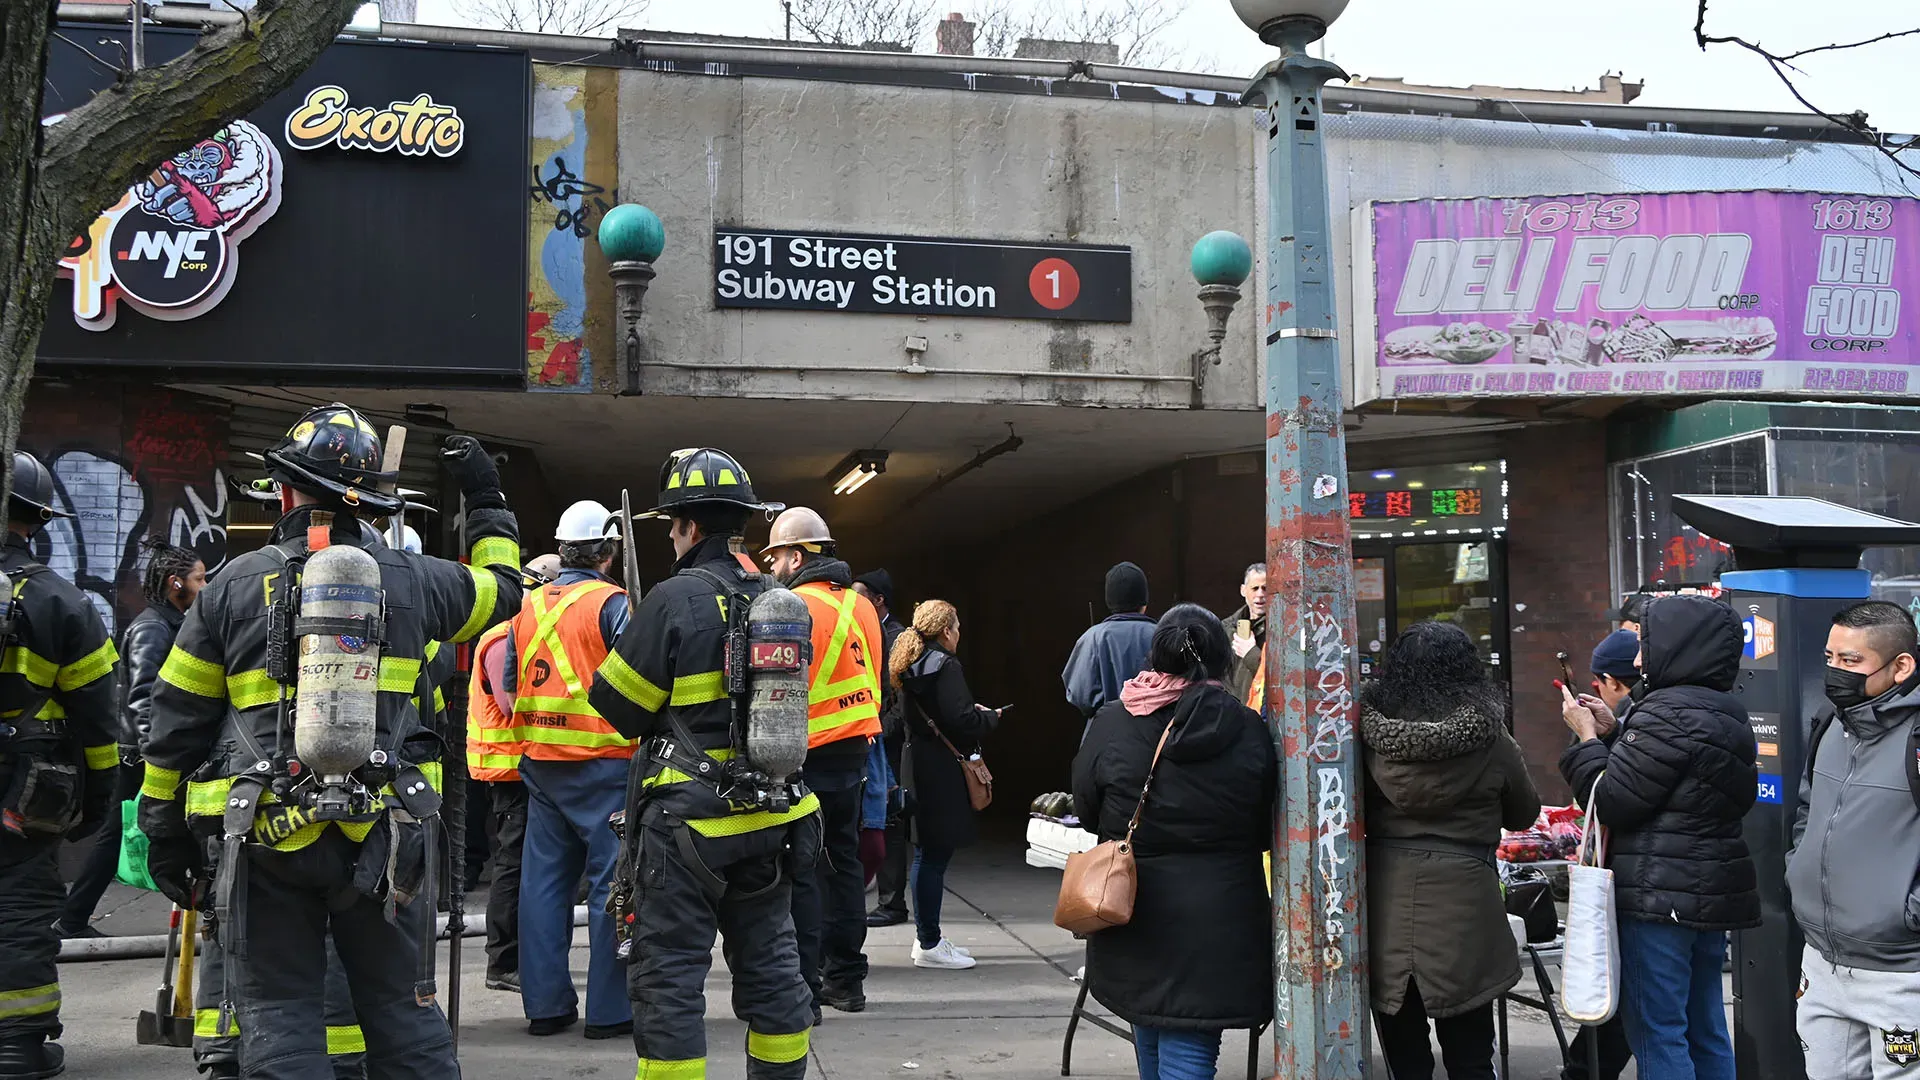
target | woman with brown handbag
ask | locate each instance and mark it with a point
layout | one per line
(942, 768)
(1195, 957)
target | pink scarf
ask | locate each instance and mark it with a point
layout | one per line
(1150, 691)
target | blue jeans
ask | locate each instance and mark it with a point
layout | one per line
(1671, 1000)
(1167, 1054)
(568, 803)
(928, 883)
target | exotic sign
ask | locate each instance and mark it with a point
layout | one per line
(171, 246)
(414, 127)
(903, 275)
(1697, 293)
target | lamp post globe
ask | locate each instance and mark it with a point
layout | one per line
(632, 233)
(631, 237)
(1267, 17)
(1221, 258)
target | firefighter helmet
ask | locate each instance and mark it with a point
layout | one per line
(334, 453)
(704, 475)
(798, 527)
(33, 490)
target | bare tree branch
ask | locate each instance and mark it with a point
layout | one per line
(575, 18)
(854, 23)
(1136, 28)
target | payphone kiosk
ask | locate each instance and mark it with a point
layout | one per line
(1798, 565)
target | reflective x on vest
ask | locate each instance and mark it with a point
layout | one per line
(493, 740)
(558, 637)
(843, 700)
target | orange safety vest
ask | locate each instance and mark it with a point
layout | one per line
(1257, 690)
(843, 701)
(493, 741)
(558, 637)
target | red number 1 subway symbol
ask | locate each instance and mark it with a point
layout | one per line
(1054, 283)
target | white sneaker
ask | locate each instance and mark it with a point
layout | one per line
(943, 955)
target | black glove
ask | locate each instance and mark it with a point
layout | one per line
(472, 467)
(174, 864)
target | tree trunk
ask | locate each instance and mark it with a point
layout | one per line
(54, 180)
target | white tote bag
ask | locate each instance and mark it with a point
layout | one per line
(1590, 969)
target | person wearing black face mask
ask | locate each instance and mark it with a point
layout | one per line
(1856, 844)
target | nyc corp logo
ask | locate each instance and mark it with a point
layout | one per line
(169, 248)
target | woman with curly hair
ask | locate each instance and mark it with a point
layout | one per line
(1443, 777)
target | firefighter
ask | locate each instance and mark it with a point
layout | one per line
(843, 719)
(288, 870)
(58, 731)
(574, 767)
(703, 863)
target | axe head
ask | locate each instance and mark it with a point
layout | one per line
(153, 1029)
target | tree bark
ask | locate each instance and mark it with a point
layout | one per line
(54, 180)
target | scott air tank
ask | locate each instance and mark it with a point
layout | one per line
(337, 708)
(779, 647)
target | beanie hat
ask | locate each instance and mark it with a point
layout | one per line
(1126, 588)
(880, 583)
(1614, 656)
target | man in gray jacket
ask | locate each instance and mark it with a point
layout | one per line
(1856, 846)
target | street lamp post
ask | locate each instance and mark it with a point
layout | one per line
(1319, 880)
(631, 237)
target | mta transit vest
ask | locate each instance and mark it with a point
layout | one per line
(1257, 690)
(843, 701)
(558, 637)
(493, 740)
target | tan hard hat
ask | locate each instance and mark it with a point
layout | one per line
(796, 526)
(545, 567)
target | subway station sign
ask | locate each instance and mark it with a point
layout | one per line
(1693, 293)
(908, 275)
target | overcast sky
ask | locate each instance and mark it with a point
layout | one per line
(1525, 43)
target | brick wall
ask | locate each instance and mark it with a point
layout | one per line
(1559, 593)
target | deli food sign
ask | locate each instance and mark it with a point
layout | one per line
(908, 275)
(1697, 293)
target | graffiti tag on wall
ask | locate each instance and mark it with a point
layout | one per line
(566, 207)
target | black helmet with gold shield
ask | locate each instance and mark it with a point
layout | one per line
(335, 454)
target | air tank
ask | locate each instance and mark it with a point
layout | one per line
(336, 710)
(779, 639)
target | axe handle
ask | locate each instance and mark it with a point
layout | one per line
(396, 447)
(183, 978)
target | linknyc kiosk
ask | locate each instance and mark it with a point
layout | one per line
(1798, 565)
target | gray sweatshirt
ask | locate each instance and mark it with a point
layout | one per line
(1856, 854)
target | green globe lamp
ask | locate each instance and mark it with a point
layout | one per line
(1221, 263)
(631, 237)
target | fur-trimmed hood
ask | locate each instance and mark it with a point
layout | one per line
(1428, 764)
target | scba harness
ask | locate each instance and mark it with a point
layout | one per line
(42, 767)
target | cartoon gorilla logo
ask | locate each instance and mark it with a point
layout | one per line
(212, 182)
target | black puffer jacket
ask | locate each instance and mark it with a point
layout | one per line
(1197, 954)
(143, 648)
(1679, 778)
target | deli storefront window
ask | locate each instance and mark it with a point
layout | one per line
(1653, 550)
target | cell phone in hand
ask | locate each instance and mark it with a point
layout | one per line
(1003, 708)
(1566, 670)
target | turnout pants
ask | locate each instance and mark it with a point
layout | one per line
(509, 798)
(689, 886)
(1857, 1024)
(346, 1045)
(292, 903)
(830, 902)
(568, 804)
(30, 896)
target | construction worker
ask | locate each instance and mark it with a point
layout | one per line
(703, 862)
(493, 759)
(575, 768)
(289, 872)
(57, 733)
(843, 720)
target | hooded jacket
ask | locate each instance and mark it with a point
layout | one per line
(1197, 953)
(1112, 651)
(1675, 786)
(1438, 794)
(1854, 871)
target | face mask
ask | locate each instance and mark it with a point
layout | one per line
(1847, 689)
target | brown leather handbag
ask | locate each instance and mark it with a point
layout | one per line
(1098, 888)
(979, 777)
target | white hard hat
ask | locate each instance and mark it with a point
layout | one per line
(409, 540)
(584, 521)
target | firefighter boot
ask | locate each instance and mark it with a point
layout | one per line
(31, 1057)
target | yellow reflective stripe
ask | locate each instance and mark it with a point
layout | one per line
(439, 700)
(33, 1001)
(432, 770)
(496, 551)
(670, 775)
(345, 1039)
(631, 684)
(21, 660)
(546, 631)
(103, 757)
(194, 675)
(398, 674)
(88, 668)
(486, 589)
(564, 705)
(492, 761)
(700, 689)
(852, 714)
(159, 783)
(684, 1069)
(777, 1049)
(736, 824)
(493, 734)
(206, 1025)
(208, 798)
(846, 686)
(552, 736)
(825, 665)
(252, 689)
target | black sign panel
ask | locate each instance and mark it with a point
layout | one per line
(367, 225)
(908, 275)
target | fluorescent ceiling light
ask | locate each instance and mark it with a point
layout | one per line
(858, 469)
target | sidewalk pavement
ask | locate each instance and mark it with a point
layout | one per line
(1003, 1020)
